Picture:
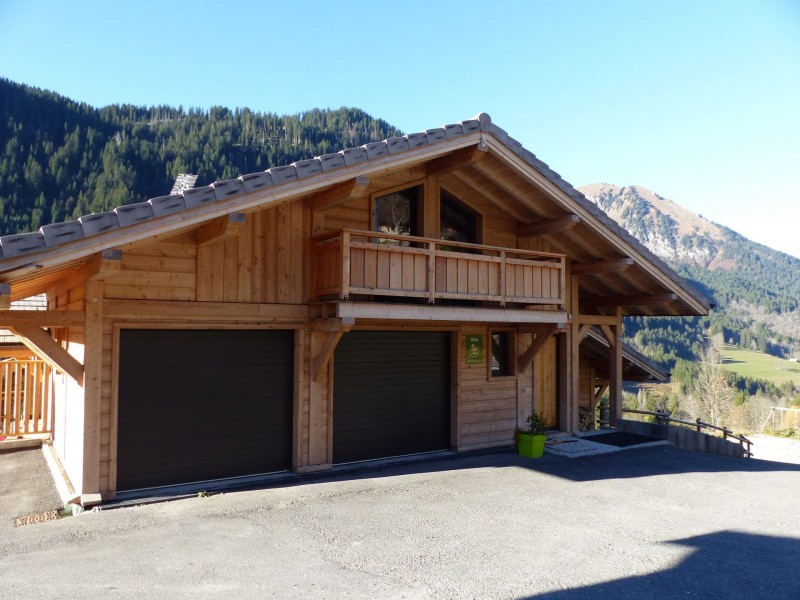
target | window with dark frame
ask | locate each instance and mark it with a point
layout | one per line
(398, 213)
(457, 221)
(502, 356)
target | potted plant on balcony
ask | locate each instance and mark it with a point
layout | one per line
(530, 441)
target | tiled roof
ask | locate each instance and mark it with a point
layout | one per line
(56, 234)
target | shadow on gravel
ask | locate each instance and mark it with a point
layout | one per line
(631, 463)
(727, 564)
(646, 462)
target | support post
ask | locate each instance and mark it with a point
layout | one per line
(92, 389)
(615, 373)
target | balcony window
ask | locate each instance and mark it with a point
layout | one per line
(457, 221)
(398, 213)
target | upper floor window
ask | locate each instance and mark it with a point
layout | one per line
(457, 221)
(398, 212)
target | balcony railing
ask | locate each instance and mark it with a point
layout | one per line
(350, 262)
(26, 397)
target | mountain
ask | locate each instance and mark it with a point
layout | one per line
(756, 289)
(60, 159)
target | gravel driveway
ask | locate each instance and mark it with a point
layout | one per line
(644, 523)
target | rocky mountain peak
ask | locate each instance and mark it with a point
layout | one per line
(664, 227)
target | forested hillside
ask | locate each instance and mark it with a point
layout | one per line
(62, 159)
(756, 289)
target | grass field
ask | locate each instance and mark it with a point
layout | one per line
(761, 366)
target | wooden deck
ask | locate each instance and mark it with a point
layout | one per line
(351, 262)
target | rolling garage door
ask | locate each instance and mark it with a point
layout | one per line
(391, 394)
(196, 405)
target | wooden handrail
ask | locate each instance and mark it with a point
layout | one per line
(439, 242)
(699, 424)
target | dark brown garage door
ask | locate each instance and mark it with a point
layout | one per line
(391, 394)
(196, 405)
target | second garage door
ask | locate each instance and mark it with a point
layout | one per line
(391, 394)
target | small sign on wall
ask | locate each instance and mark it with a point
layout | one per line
(474, 351)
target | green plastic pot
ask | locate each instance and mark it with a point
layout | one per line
(529, 445)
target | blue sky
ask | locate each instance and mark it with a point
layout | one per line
(698, 100)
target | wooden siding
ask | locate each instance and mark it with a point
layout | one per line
(266, 264)
(545, 382)
(487, 407)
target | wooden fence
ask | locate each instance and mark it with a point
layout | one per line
(663, 417)
(26, 393)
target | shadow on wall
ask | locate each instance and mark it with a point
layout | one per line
(727, 564)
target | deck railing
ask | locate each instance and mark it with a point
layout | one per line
(25, 397)
(350, 262)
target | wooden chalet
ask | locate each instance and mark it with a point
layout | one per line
(418, 294)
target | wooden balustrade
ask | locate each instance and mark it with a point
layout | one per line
(350, 262)
(25, 397)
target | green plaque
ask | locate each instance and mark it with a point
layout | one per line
(474, 349)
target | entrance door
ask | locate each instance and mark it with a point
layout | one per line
(391, 394)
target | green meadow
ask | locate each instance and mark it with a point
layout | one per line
(758, 365)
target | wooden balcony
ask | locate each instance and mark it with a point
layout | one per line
(349, 263)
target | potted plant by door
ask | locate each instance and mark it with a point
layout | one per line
(530, 441)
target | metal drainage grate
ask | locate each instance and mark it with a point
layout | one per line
(51, 515)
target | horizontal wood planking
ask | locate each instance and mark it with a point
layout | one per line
(487, 410)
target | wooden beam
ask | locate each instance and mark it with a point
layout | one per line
(325, 354)
(104, 263)
(608, 333)
(42, 318)
(615, 375)
(419, 312)
(457, 159)
(536, 346)
(229, 225)
(176, 310)
(638, 300)
(549, 226)
(479, 186)
(5, 296)
(331, 325)
(92, 387)
(50, 351)
(595, 319)
(340, 193)
(583, 331)
(615, 265)
(600, 389)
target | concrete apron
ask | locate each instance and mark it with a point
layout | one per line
(575, 445)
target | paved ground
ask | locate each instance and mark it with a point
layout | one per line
(26, 487)
(653, 522)
(768, 447)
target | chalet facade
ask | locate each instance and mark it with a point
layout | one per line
(422, 293)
